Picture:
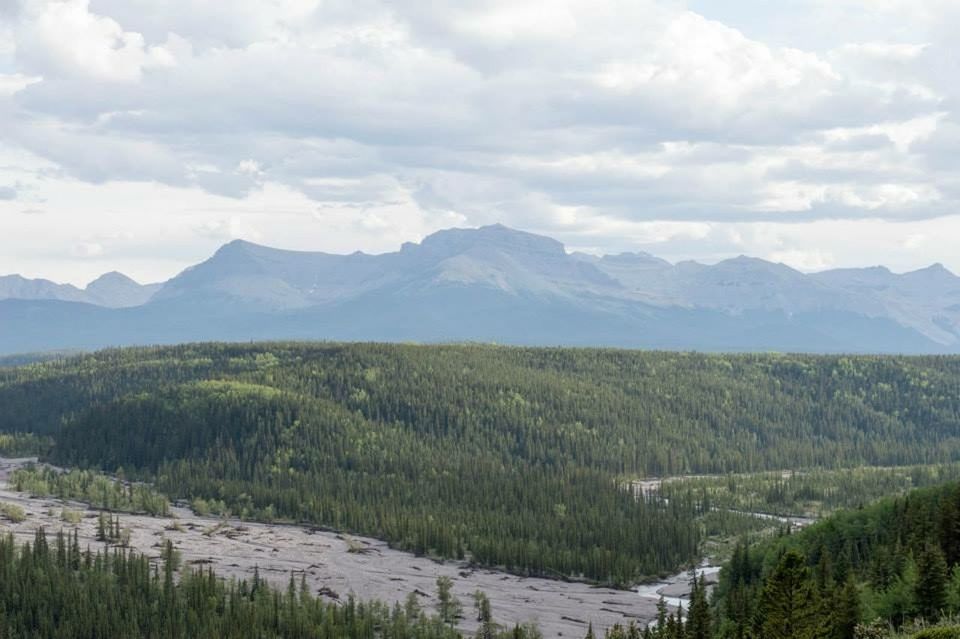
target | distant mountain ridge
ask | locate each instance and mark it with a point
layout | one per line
(112, 290)
(495, 284)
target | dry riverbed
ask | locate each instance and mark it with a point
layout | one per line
(334, 568)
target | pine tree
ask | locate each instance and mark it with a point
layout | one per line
(787, 600)
(931, 588)
(698, 616)
(846, 611)
(101, 528)
(448, 605)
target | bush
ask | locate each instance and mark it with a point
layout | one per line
(13, 512)
(952, 632)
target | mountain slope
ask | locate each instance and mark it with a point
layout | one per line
(495, 284)
(482, 442)
(116, 290)
(890, 561)
(111, 290)
(18, 287)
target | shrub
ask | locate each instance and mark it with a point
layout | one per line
(952, 632)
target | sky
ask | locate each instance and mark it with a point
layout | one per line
(140, 135)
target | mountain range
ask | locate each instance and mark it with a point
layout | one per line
(494, 284)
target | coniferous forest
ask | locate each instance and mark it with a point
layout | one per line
(525, 458)
(56, 589)
(860, 573)
(511, 457)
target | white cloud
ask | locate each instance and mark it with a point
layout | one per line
(612, 121)
(62, 37)
(10, 83)
(810, 260)
(885, 51)
(88, 249)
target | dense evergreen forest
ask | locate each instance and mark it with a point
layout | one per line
(59, 591)
(860, 573)
(811, 494)
(513, 457)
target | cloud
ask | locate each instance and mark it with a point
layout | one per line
(87, 250)
(10, 83)
(565, 116)
(804, 260)
(8, 193)
(63, 38)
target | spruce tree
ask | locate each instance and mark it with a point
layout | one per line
(698, 616)
(846, 611)
(448, 605)
(931, 588)
(787, 601)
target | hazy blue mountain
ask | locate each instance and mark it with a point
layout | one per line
(492, 257)
(112, 290)
(495, 284)
(18, 287)
(116, 290)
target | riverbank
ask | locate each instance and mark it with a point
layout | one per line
(337, 565)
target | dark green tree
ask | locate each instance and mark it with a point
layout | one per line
(787, 604)
(931, 588)
(698, 615)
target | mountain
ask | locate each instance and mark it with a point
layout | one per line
(494, 284)
(116, 290)
(18, 287)
(111, 290)
(494, 258)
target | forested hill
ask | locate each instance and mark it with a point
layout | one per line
(515, 457)
(892, 564)
(648, 413)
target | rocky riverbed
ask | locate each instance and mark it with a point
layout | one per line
(336, 565)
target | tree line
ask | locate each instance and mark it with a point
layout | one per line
(510, 457)
(885, 566)
(56, 590)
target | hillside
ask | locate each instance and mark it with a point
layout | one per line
(511, 456)
(892, 564)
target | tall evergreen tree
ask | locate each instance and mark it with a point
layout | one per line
(698, 615)
(787, 602)
(931, 588)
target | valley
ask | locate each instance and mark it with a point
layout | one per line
(337, 566)
(574, 487)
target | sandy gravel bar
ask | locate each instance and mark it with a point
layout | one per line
(234, 549)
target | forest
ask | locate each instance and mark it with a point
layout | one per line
(57, 590)
(883, 570)
(519, 458)
(809, 494)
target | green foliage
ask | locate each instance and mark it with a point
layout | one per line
(787, 603)
(633, 412)
(24, 445)
(939, 633)
(812, 493)
(931, 588)
(57, 591)
(91, 487)
(12, 512)
(449, 607)
(511, 457)
(886, 561)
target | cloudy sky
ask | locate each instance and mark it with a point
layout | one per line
(142, 134)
